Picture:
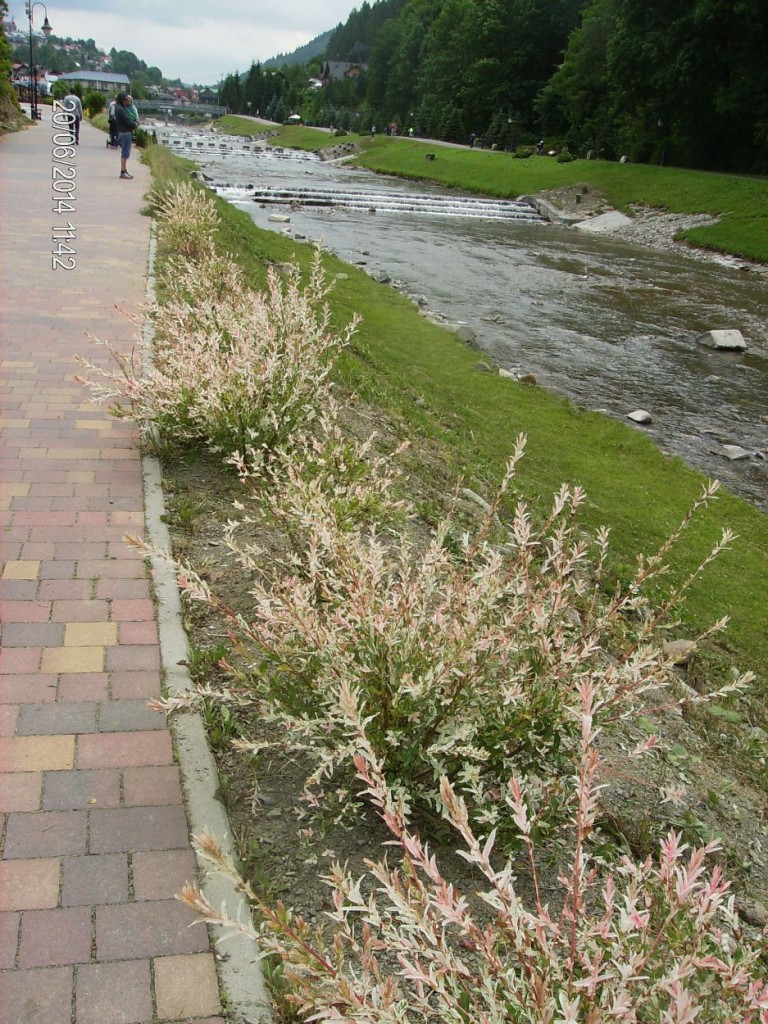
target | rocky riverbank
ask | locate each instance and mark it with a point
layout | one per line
(648, 226)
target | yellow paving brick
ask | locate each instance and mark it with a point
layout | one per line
(13, 424)
(90, 634)
(17, 364)
(37, 753)
(93, 424)
(72, 659)
(74, 453)
(29, 884)
(13, 490)
(22, 570)
(79, 476)
(33, 453)
(186, 986)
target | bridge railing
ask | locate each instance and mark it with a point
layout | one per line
(158, 107)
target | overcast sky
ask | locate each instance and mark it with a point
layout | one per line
(195, 40)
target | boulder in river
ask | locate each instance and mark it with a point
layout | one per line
(640, 416)
(729, 340)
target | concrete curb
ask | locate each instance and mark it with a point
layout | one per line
(241, 979)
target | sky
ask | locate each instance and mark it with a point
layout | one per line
(194, 40)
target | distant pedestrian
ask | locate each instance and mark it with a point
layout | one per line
(472, 138)
(71, 103)
(373, 130)
(127, 123)
(114, 142)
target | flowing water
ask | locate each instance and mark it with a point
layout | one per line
(611, 326)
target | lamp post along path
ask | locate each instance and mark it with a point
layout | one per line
(34, 110)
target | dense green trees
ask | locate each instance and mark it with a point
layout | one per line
(679, 81)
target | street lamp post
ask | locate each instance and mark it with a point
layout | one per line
(34, 111)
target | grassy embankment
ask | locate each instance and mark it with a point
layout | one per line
(470, 420)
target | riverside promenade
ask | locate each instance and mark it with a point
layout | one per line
(95, 839)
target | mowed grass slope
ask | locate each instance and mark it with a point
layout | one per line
(426, 379)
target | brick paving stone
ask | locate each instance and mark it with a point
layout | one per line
(18, 590)
(128, 590)
(186, 986)
(57, 569)
(151, 786)
(54, 719)
(127, 685)
(98, 878)
(9, 716)
(115, 750)
(132, 611)
(20, 791)
(132, 930)
(72, 659)
(19, 660)
(21, 570)
(134, 658)
(29, 884)
(32, 634)
(79, 611)
(37, 753)
(162, 874)
(53, 938)
(45, 834)
(92, 686)
(9, 938)
(43, 996)
(138, 828)
(128, 716)
(80, 789)
(64, 590)
(138, 633)
(117, 993)
(27, 689)
(90, 634)
(25, 611)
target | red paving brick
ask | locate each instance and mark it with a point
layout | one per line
(96, 842)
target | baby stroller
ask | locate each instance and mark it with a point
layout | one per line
(113, 140)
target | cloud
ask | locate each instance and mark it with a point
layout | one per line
(197, 41)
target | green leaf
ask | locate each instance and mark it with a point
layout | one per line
(725, 713)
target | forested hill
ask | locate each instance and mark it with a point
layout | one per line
(304, 54)
(677, 81)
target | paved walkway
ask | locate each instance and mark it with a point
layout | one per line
(95, 839)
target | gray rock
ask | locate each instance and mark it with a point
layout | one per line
(680, 651)
(476, 498)
(727, 340)
(640, 416)
(483, 367)
(755, 914)
(507, 373)
(734, 452)
(280, 218)
(465, 332)
(381, 276)
(604, 222)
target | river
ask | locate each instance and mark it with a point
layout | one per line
(610, 325)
